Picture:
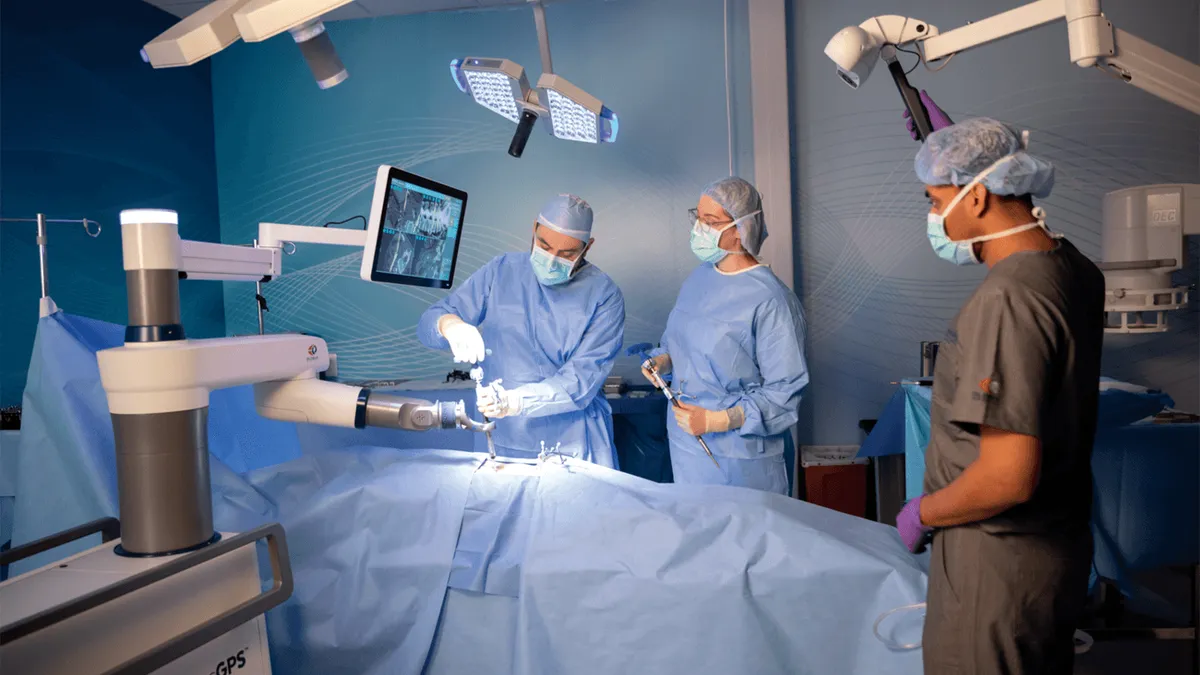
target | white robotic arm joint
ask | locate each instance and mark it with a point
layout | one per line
(1092, 39)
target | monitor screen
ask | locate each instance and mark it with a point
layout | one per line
(414, 230)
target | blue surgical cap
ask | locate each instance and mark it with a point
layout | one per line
(740, 199)
(569, 215)
(956, 154)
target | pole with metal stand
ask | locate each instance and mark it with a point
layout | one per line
(47, 306)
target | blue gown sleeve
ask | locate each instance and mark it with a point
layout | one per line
(468, 302)
(774, 406)
(574, 386)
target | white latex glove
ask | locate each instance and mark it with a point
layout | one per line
(466, 343)
(495, 402)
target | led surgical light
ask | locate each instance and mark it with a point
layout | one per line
(496, 84)
(501, 86)
(576, 115)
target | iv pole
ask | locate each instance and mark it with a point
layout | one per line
(47, 306)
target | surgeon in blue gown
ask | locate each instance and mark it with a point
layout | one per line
(734, 346)
(545, 326)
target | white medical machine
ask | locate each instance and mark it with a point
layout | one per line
(1142, 238)
(166, 593)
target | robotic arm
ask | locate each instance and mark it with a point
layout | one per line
(158, 382)
(195, 596)
(1092, 39)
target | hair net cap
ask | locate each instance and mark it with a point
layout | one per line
(569, 215)
(956, 154)
(740, 199)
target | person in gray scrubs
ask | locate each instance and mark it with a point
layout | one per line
(1008, 483)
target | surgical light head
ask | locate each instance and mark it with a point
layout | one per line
(575, 115)
(220, 23)
(500, 86)
(496, 84)
(855, 49)
(855, 52)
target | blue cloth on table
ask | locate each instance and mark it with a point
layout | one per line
(66, 435)
(1147, 498)
(587, 570)
(917, 402)
(422, 560)
(371, 534)
(887, 437)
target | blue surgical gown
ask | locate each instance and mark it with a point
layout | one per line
(557, 343)
(737, 340)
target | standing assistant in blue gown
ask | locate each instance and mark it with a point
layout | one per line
(734, 346)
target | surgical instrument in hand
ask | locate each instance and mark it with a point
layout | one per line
(648, 365)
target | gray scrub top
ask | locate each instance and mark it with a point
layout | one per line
(1023, 355)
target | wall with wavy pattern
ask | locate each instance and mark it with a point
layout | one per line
(872, 286)
(288, 152)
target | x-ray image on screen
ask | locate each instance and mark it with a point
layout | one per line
(420, 230)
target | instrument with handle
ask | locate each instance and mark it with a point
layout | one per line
(643, 348)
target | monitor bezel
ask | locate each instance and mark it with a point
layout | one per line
(383, 182)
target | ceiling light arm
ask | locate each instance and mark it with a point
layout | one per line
(543, 34)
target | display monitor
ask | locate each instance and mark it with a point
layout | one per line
(413, 231)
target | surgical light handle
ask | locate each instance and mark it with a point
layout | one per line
(912, 98)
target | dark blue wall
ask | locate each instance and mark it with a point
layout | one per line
(87, 130)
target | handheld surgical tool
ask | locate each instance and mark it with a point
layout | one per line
(648, 365)
(477, 375)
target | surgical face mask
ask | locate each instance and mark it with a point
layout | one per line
(963, 252)
(550, 269)
(705, 242)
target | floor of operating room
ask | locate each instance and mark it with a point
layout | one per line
(1153, 657)
(1126, 658)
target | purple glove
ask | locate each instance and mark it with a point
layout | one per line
(916, 536)
(937, 117)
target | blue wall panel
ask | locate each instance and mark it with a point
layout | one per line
(88, 130)
(289, 152)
